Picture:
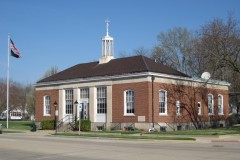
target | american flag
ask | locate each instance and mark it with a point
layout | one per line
(14, 50)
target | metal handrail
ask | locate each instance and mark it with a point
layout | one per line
(64, 119)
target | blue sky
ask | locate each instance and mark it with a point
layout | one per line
(64, 33)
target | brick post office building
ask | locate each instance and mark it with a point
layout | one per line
(131, 92)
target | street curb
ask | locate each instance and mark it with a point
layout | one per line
(229, 141)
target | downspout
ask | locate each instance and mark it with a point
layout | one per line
(153, 102)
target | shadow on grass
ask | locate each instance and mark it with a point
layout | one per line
(6, 131)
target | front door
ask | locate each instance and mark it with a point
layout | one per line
(85, 111)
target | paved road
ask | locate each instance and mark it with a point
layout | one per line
(31, 147)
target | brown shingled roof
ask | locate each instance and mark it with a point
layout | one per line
(135, 64)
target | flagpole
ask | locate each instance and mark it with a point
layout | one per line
(8, 79)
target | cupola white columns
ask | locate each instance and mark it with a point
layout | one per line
(107, 47)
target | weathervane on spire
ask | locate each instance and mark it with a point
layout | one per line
(107, 25)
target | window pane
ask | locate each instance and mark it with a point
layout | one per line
(69, 101)
(47, 104)
(199, 108)
(102, 100)
(177, 107)
(84, 93)
(162, 101)
(220, 104)
(210, 104)
(129, 102)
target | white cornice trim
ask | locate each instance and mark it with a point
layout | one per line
(129, 76)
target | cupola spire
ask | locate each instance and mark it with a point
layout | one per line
(107, 46)
(107, 25)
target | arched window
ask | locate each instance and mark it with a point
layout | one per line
(210, 104)
(162, 102)
(220, 104)
(47, 106)
(129, 102)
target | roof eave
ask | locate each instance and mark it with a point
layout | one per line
(128, 76)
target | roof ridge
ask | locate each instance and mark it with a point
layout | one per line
(145, 63)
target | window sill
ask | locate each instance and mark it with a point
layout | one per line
(220, 114)
(129, 115)
(47, 115)
(163, 114)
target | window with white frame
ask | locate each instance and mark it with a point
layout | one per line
(220, 104)
(102, 100)
(84, 93)
(162, 102)
(210, 104)
(69, 101)
(129, 102)
(47, 106)
(199, 108)
(177, 107)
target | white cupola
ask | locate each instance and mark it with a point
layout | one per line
(107, 47)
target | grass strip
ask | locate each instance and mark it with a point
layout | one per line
(126, 137)
(223, 131)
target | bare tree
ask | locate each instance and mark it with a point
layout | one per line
(218, 49)
(51, 71)
(30, 99)
(189, 97)
(3, 94)
(20, 96)
(174, 49)
(214, 48)
(141, 51)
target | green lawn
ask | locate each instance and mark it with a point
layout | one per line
(17, 125)
(177, 135)
(218, 131)
(27, 125)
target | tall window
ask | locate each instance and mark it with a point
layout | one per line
(162, 102)
(199, 108)
(69, 101)
(220, 104)
(84, 93)
(101, 100)
(210, 104)
(177, 107)
(47, 106)
(129, 102)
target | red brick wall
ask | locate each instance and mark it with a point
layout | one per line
(143, 101)
(188, 96)
(54, 96)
